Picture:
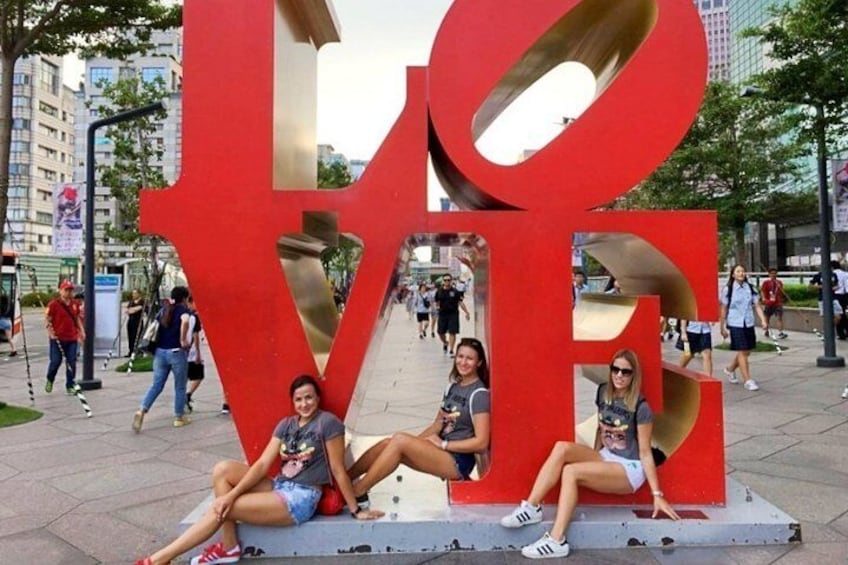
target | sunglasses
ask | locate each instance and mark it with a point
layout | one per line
(615, 369)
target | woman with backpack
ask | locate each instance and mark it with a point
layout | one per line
(422, 310)
(739, 302)
(172, 344)
(620, 462)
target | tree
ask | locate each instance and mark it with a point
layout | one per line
(130, 169)
(736, 158)
(114, 28)
(809, 43)
(343, 258)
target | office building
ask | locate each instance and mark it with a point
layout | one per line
(715, 16)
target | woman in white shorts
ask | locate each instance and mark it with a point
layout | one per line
(620, 462)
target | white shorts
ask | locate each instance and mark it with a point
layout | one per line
(633, 468)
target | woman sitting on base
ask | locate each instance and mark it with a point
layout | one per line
(246, 494)
(619, 464)
(448, 446)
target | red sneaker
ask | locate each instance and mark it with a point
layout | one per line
(216, 554)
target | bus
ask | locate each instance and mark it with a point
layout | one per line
(10, 292)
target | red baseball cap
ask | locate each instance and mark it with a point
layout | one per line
(66, 284)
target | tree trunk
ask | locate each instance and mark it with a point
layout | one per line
(741, 254)
(7, 76)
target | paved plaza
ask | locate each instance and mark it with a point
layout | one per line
(80, 491)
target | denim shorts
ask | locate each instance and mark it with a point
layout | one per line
(633, 468)
(464, 463)
(5, 324)
(301, 500)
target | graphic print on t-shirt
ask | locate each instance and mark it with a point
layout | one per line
(296, 453)
(614, 421)
(451, 407)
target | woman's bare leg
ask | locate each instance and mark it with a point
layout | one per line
(744, 366)
(707, 358)
(259, 506)
(563, 452)
(419, 454)
(599, 476)
(361, 465)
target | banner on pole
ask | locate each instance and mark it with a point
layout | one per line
(840, 194)
(68, 201)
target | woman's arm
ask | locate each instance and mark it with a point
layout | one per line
(480, 440)
(335, 459)
(759, 310)
(723, 320)
(644, 432)
(434, 428)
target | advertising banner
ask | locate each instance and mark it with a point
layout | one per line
(840, 194)
(68, 199)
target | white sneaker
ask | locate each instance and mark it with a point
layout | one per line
(731, 376)
(751, 384)
(545, 548)
(523, 515)
(845, 393)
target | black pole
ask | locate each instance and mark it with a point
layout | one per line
(88, 381)
(829, 359)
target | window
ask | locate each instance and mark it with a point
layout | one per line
(48, 109)
(149, 74)
(48, 152)
(21, 79)
(45, 195)
(17, 191)
(19, 147)
(100, 75)
(16, 214)
(20, 123)
(48, 131)
(20, 102)
(44, 218)
(18, 169)
(48, 77)
(48, 174)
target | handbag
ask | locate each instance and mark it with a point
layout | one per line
(150, 339)
(332, 502)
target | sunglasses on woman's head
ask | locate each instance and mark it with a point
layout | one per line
(615, 369)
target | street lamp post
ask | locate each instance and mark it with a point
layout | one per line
(88, 381)
(830, 358)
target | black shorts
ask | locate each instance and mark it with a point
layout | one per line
(774, 310)
(423, 316)
(449, 323)
(464, 463)
(195, 371)
(742, 339)
(697, 342)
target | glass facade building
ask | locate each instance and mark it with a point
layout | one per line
(715, 16)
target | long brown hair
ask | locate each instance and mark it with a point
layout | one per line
(482, 370)
(631, 395)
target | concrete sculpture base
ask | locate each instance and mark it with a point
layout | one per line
(419, 520)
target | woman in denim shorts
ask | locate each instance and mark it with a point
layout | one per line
(311, 446)
(448, 447)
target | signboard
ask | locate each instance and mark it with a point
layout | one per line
(840, 194)
(68, 200)
(107, 306)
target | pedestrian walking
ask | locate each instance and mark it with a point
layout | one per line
(578, 287)
(196, 370)
(774, 297)
(449, 301)
(422, 310)
(7, 314)
(434, 309)
(171, 356)
(65, 331)
(134, 311)
(840, 294)
(739, 303)
(696, 338)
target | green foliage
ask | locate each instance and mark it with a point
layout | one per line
(14, 415)
(140, 365)
(341, 260)
(801, 295)
(37, 299)
(761, 347)
(809, 43)
(134, 150)
(734, 158)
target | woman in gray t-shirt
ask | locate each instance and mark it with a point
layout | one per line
(448, 446)
(620, 462)
(310, 444)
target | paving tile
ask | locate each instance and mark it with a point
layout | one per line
(759, 447)
(813, 424)
(40, 546)
(58, 455)
(816, 553)
(110, 480)
(802, 500)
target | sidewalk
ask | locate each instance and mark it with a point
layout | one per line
(79, 491)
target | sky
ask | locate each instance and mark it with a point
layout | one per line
(361, 84)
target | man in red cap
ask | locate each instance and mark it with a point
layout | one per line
(65, 330)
